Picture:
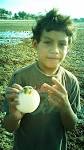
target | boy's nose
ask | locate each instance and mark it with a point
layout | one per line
(55, 49)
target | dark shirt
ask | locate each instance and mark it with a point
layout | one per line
(43, 128)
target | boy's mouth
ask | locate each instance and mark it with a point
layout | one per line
(53, 58)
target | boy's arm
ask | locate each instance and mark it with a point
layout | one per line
(59, 97)
(68, 117)
(13, 116)
(69, 113)
(11, 123)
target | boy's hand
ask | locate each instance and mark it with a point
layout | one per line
(11, 94)
(57, 94)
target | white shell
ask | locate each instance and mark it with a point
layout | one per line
(28, 102)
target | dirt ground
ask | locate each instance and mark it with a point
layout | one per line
(76, 138)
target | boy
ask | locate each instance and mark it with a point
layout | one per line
(45, 128)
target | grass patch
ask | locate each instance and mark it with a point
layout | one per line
(16, 25)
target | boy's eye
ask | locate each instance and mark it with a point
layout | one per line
(62, 44)
(47, 42)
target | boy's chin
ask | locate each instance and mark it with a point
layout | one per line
(52, 67)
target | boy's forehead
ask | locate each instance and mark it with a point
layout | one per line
(59, 35)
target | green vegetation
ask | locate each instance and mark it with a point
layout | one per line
(16, 56)
(5, 14)
(16, 25)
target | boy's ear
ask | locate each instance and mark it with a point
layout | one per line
(34, 44)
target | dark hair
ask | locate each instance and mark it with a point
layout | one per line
(53, 21)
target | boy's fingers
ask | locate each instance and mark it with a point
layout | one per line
(56, 82)
(11, 97)
(12, 90)
(11, 93)
(58, 85)
(49, 88)
(53, 91)
(57, 88)
(17, 86)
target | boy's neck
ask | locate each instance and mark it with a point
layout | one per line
(46, 70)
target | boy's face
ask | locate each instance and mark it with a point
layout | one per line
(52, 49)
